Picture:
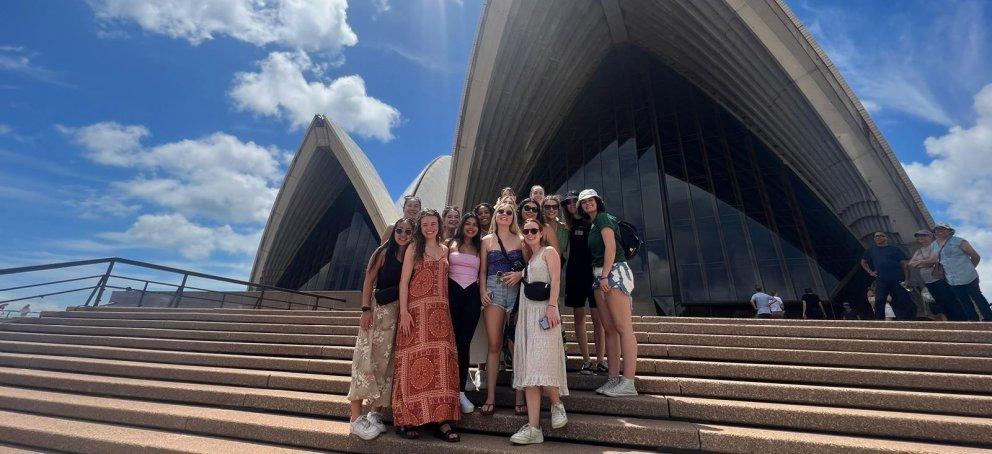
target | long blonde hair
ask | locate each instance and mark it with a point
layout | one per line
(514, 228)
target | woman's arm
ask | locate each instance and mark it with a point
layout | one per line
(406, 320)
(553, 261)
(610, 246)
(483, 269)
(371, 271)
(970, 252)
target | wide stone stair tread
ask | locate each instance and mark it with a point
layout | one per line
(278, 378)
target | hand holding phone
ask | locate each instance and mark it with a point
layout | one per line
(545, 325)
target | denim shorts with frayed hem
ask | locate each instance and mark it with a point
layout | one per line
(501, 294)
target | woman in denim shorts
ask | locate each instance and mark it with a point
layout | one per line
(499, 297)
(613, 282)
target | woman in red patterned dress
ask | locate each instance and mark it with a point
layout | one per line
(425, 378)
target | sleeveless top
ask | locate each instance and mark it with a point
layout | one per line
(579, 258)
(463, 268)
(958, 269)
(496, 262)
(537, 269)
(389, 273)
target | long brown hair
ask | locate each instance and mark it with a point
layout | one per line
(390, 246)
(419, 241)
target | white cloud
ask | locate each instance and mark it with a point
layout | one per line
(958, 176)
(312, 25)
(5, 129)
(381, 6)
(281, 89)
(217, 176)
(889, 62)
(175, 232)
(17, 59)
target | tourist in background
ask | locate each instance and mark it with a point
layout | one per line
(528, 210)
(848, 313)
(537, 193)
(411, 210)
(372, 359)
(614, 282)
(761, 302)
(889, 266)
(924, 259)
(501, 269)
(451, 216)
(425, 388)
(463, 294)
(776, 305)
(539, 356)
(508, 195)
(579, 288)
(554, 225)
(812, 306)
(958, 259)
(485, 213)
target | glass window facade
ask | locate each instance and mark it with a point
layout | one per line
(334, 255)
(718, 211)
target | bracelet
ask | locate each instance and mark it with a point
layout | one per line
(603, 278)
(366, 309)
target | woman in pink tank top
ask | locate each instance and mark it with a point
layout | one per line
(463, 294)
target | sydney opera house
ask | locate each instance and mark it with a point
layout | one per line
(718, 127)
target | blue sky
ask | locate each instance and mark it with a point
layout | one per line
(153, 131)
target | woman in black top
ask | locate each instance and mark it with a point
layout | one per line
(578, 286)
(372, 361)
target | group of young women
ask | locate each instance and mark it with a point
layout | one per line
(437, 274)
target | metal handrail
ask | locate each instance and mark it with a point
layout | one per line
(177, 296)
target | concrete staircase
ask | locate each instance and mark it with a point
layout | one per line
(246, 381)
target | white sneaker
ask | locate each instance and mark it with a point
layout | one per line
(558, 416)
(527, 435)
(376, 420)
(610, 382)
(467, 406)
(363, 428)
(625, 387)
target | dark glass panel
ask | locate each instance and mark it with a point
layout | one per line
(718, 283)
(691, 283)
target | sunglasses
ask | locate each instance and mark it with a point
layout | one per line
(504, 212)
(551, 207)
(529, 208)
(531, 231)
(404, 231)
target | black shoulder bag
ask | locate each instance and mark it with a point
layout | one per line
(536, 291)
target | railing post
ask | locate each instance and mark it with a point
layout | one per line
(143, 291)
(316, 302)
(176, 297)
(223, 299)
(261, 296)
(101, 285)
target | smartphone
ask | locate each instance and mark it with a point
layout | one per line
(544, 323)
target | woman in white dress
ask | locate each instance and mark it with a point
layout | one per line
(539, 357)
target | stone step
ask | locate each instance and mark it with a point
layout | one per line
(749, 440)
(328, 434)
(198, 325)
(969, 326)
(876, 423)
(337, 319)
(811, 357)
(235, 336)
(55, 434)
(243, 348)
(865, 333)
(190, 310)
(180, 372)
(325, 366)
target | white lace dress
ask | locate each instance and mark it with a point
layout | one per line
(538, 354)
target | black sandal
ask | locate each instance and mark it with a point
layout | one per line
(449, 435)
(408, 432)
(491, 409)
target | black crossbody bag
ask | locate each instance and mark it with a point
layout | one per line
(536, 291)
(516, 265)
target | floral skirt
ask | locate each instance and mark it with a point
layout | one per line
(372, 363)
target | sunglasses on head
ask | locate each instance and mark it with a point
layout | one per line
(529, 208)
(404, 231)
(505, 212)
(533, 231)
(551, 207)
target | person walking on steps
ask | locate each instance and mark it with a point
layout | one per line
(889, 266)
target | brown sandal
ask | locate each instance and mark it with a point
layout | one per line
(517, 410)
(491, 409)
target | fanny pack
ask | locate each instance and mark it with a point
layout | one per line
(536, 291)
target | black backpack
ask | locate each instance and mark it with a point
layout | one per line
(627, 238)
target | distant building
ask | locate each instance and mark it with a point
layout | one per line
(719, 128)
